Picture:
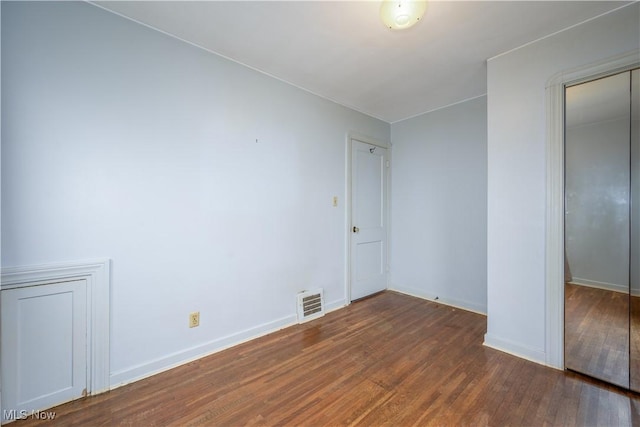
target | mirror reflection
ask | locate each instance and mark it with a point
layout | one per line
(598, 226)
(634, 270)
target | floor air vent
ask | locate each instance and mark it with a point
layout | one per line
(310, 305)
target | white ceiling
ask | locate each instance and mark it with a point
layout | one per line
(340, 50)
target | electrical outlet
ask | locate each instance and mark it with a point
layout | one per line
(194, 319)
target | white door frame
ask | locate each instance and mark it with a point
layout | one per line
(554, 239)
(97, 274)
(354, 136)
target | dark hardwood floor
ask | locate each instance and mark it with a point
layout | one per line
(597, 333)
(387, 360)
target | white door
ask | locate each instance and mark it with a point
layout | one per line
(44, 347)
(368, 219)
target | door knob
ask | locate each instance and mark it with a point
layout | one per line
(356, 229)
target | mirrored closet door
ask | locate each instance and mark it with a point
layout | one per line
(634, 270)
(602, 200)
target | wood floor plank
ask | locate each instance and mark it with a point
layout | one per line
(389, 360)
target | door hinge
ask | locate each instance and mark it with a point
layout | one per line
(387, 163)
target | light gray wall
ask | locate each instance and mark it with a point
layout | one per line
(121, 142)
(439, 205)
(517, 171)
(597, 177)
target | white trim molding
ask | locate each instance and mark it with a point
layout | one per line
(554, 274)
(179, 358)
(170, 361)
(97, 273)
(451, 302)
(514, 349)
(613, 287)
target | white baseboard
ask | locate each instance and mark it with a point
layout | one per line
(515, 349)
(600, 285)
(505, 346)
(419, 293)
(335, 305)
(182, 357)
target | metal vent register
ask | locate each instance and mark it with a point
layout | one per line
(310, 305)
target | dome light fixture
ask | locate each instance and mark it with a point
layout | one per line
(402, 14)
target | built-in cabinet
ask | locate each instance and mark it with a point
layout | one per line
(602, 223)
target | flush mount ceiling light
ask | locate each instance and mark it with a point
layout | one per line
(401, 14)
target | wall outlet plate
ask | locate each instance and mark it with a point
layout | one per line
(194, 319)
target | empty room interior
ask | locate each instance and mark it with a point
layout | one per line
(320, 213)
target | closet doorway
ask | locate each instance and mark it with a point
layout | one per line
(602, 218)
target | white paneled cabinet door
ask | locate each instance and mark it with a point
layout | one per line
(44, 347)
(368, 219)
